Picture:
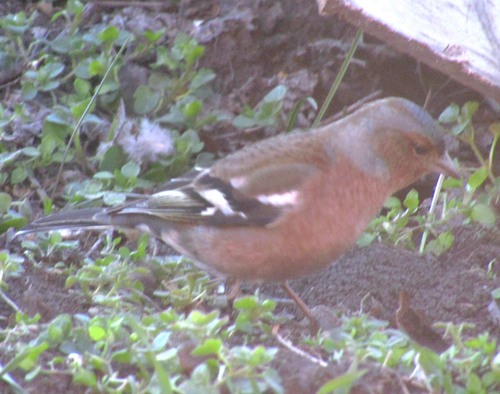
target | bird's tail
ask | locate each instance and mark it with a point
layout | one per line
(88, 218)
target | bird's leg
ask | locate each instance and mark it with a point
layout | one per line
(234, 288)
(302, 305)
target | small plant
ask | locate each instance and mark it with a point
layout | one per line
(252, 313)
(10, 216)
(63, 71)
(403, 221)
(266, 112)
(477, 205)
(10, 266)
(147, 322)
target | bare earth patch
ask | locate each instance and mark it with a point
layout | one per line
(253, 46)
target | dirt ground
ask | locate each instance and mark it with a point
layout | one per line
(253, 46)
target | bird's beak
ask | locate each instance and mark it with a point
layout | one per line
(445, 165)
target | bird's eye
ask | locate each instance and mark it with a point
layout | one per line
(421, 149)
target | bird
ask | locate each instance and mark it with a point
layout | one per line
(286, 206)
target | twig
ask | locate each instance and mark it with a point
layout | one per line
(289, 345)
(434, 201)
(9, 302)
(80, 121)
(338, 79)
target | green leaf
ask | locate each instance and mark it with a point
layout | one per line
(120, 179)
(342, 383)
(202, 319)
(496, 295)
(243, 122)
(446, 239)
(55, 334)
(193, 109)
(123, 356)
(211, 346)
(52, 70)
(112, 199)
(60, 117)
(474, 384)
(18, 175)
(483, 214)
(430, 361)
(268, 305)
(28, 90)
(441, 244)
(30, 359)
(161, 340)
(15, 23)
(245, 303)
(113, 159)
(267, 112)
(82, 87)
(96, 333)
(31, 151)
(70, 281)
(164, 58)
(161, 81)
(145, 99)
(153, 36)
(194, 54)
(109, 34)
(49, 85)
(260, 355)
(98, 363)
(450, 183)
(477, 178)
(277, 94)
(272, 379)
(458, 128)
(450, 114)
(62, 43)
(5, 201)
(187, 48)
(109, 91)
(201, 382)
(166, 355)
(189, 141)
(96, 68)
(131, 170)
(392, 203)
(201, 78)
(14, 222)
(7, 158)
(78, 109)
(412, 201)
(165, 385)
(366, 239)
(82, 69)
(85, 378)
(469, 109)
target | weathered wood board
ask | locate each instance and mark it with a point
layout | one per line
(460, 38)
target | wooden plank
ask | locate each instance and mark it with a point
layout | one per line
(460, 38)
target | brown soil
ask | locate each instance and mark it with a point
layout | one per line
(253, 46)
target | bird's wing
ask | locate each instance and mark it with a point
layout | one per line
(260, 197)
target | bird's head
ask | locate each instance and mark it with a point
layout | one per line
(409, 140)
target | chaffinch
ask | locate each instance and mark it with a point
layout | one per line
(289, 205)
